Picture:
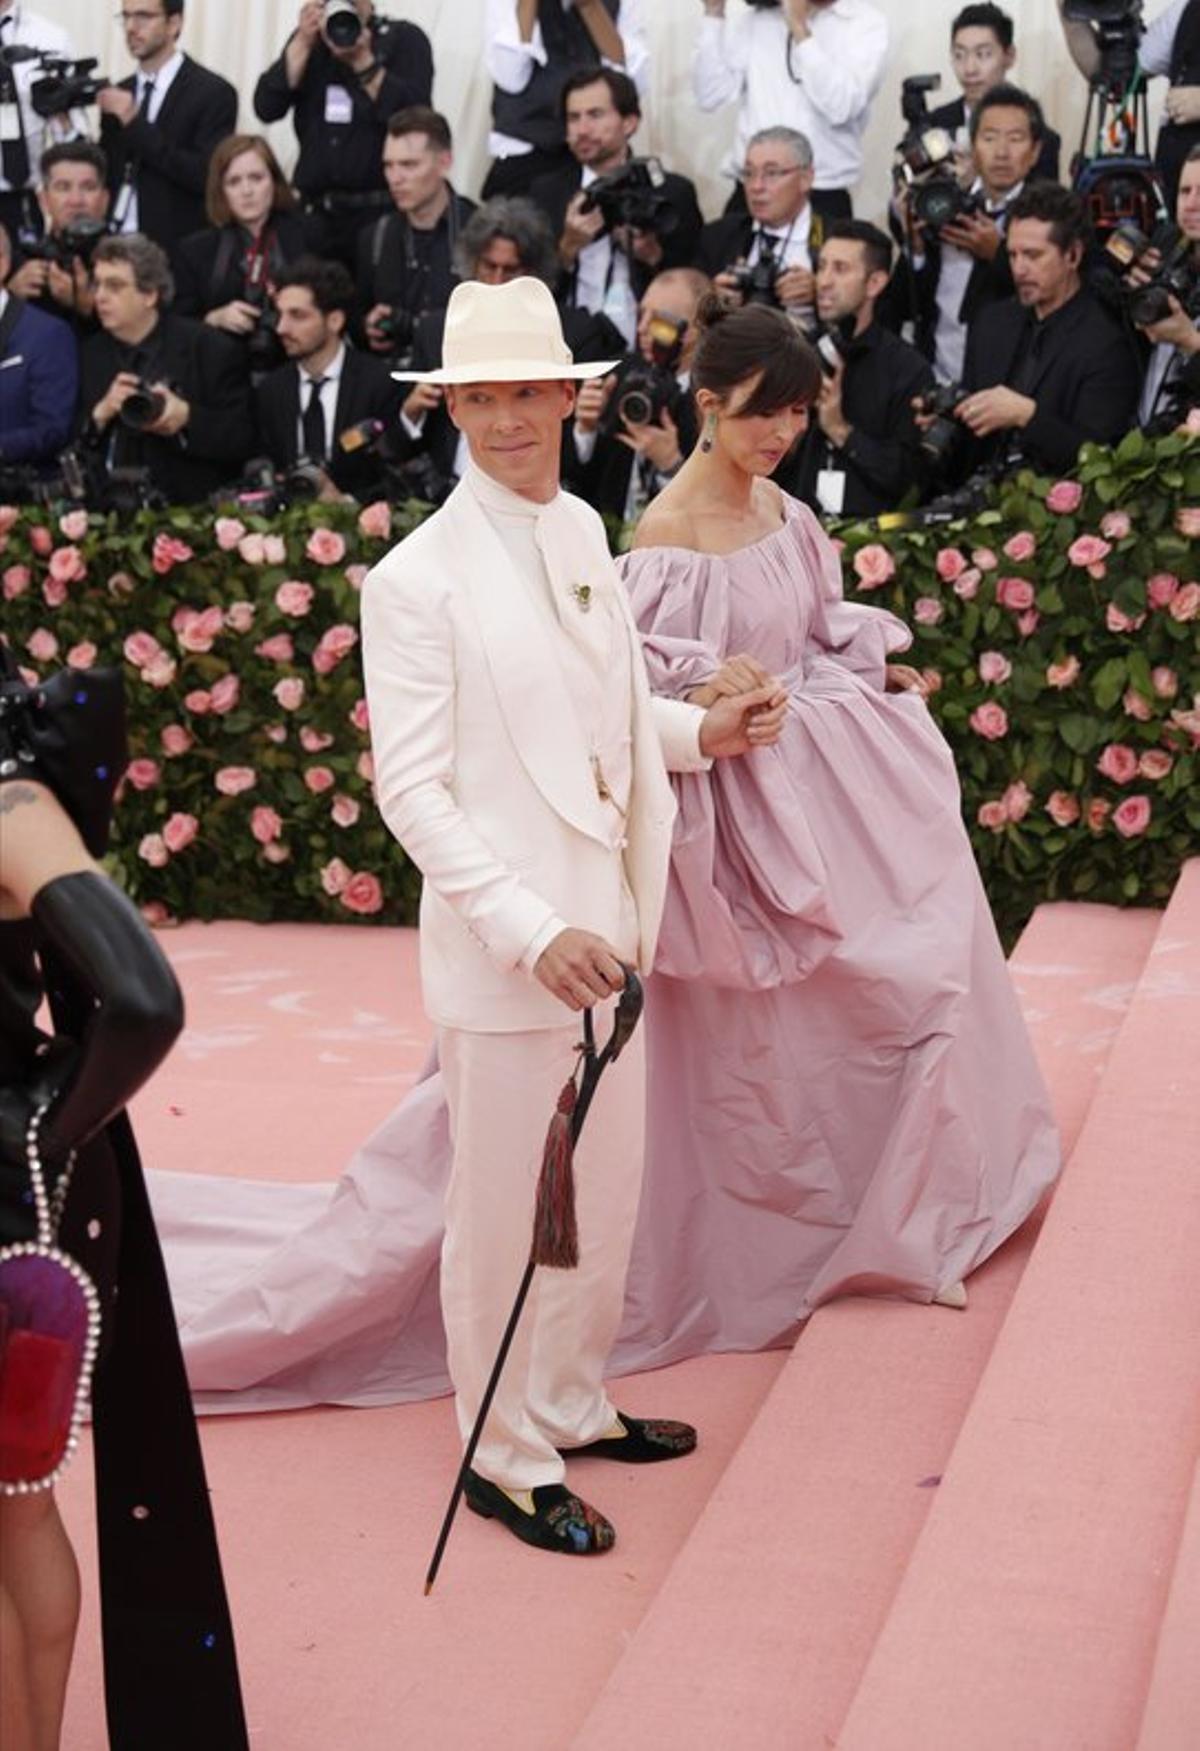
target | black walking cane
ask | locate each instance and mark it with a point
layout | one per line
(555, 1235)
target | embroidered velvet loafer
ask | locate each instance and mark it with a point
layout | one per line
(640, 1441)
(556, 1518)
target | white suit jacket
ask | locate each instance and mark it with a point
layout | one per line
(482, 769)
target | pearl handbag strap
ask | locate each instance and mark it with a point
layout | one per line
(48, 1210)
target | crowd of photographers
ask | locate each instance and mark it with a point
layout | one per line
(179, 321)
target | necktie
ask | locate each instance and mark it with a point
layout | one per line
(14, 154)
(147, 96)
(314, 421)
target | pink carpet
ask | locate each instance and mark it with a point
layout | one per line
(751, 1586)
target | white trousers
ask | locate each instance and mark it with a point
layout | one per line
(501, 1090)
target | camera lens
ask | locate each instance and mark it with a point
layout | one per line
(636, 407)
(142, 408)
(343, 26)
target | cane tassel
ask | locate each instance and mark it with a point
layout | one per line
(555, 1231)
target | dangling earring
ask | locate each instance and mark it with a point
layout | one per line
(710, 432)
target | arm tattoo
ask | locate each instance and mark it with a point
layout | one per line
(13, 795)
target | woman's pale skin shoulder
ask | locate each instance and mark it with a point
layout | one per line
(679, 517)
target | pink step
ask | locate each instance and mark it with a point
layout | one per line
(1172, 1714)
(1030, 1614)
(770, 1612)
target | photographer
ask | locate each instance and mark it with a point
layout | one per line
(158, 128)
(613, 241)
(342, 73)
(1175, 336)
(811, 65)
(532, 47)
(983, 53)
(26, 134)
(227, 273)
(960, 265)
(1050, 368)
(861, 454)
(633, 429)
(39, 377)
(1170, 46)
(54, 273)
(765, 254)
(307, 406)
(159, 391)
(406, 259)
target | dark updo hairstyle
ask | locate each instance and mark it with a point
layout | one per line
(736, 345)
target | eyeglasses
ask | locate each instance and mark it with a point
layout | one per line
(128, 18)
(772, 174)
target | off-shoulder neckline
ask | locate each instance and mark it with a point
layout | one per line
(733, 553)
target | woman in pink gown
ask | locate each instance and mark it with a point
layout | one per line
(842, 1095)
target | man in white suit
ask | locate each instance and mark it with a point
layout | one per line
(522, 763)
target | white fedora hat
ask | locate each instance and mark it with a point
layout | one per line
(504, 334)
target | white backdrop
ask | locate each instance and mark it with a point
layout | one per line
(240, 37)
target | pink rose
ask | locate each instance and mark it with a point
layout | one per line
(362, 894)
(325, 547)
(8, 517)
(950, 564)
(196, 631)
(82, 656)
(1117, 620)
(120, 584)
(1063, 808)
(1135, 706)
(334, 645)
(275, 853)
(175, 740)
(198, 701)
(994, 668)
(1165, 682)
(375, 521)
(159, 671)
(156, 915)
(54, 594)
(966, 587)
(1115, 525)
(314, 741)
(1187, 520)
(1118, 762)
(1015, 593)
(225, 694)
(16, 581)
(1098, 811)
(1017, 799)
(274, 549)
(141, 648)
(265, 825)
(334, 877)
(1155, 764)
(153, 850)
(990, 721)
(167, 553)
(1161, 588)
(239, 616)
(1020, 547)
(993, 815)
(1088, 550)
(294, 598)
(228, 532)
(278, 649)
(42, 645)
(143, 774)
(356, 576)
(66, 565)
(289, 693)
(41, 540)
(1186, 605)
(1064, 497)
(1027, 624)
(319, 779)
(276, 733)
(359, 717)
(1189, 721)
(344, 811)
(984, 559)
(233, 780)
(179, 831)
(873, 566)
(253, 549)
(1063, 674)
(1132, 816)
(927, 610)
(365, 767)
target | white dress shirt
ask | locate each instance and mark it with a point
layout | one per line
(125, 214)
(826, 93)
(20, 28)
(1154, 50)
(950, 334)
(329, 398)
(510, 62)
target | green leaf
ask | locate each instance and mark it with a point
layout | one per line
(1108, 683)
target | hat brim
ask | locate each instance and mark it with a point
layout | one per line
(508, 371)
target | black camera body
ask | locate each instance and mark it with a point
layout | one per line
(939, 439)
(756, 281)
(633, 196)
(65, 85)
(1176, 275)
(264, 491)
(142, 407)
(75, 242)
(924, 162)
(648, 387)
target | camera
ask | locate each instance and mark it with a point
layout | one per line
(1175, 276)
(833, 343)
(143, 406)
(264, 491)
(939, 439)
(756, 282)
(420, 478)
(342, 25)
(924, 161)
(263, 349)
(633, 196)
(65, 85)
(648, 387)
(75, 242)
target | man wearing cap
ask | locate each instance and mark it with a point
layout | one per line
(522, 763)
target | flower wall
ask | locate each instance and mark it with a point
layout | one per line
(1059, 628)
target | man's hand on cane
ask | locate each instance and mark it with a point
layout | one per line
(580, 969)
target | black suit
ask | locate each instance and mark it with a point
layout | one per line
(366, 391)
(729, 238)
(168, 158)
(1080, 366)
(953, 116)
(555, 192)
(207, 369)
(209, 264)
(914, 293)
